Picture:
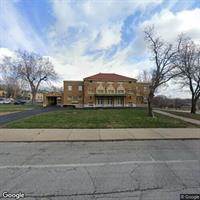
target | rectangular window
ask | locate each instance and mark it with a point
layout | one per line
(69, 87)
(100, 91)
(75, 98)
(120, 101)
(80, 88)
(69, 97)
(110, 91)
(130, 91)
(110, 101)
(120, 91)
(90, 91)
(100, 101)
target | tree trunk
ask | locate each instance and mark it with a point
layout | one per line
(33, 97)
(194, 104)
(150, 110)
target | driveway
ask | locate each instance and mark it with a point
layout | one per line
(139, 170)
(28, 113)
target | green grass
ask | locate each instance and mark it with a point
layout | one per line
(15, 108)
(185, 114)
(101, 118)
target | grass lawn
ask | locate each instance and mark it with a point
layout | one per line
(4, 108)
(101, 118)
(185, 114)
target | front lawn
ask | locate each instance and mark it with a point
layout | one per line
(4, 108)
(185, 114)
(101, 118)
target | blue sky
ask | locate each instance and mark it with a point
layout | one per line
(89, 36)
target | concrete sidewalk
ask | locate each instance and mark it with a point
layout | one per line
(186, 119)
(72, 135)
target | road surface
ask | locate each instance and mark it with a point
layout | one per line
(23, 114)
(129, 170)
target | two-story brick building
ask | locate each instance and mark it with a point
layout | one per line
(104, 90)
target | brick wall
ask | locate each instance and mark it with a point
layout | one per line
(135, 93)
(73, 95)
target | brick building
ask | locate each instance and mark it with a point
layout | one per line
(102, 90)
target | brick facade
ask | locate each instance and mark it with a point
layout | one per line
(73, 93)
(105, 90)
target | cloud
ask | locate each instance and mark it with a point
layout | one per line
(16, 32)
(5, 52)
(99, 21)
(169, 24)
(88, 37)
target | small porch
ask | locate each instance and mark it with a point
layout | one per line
(52, 99)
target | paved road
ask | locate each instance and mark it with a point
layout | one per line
(19, 115)
(142, 170)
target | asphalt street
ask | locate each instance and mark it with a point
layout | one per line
(129, 170)
(23, 114)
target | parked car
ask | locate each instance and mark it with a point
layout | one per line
(19, 102)
(5, 101)
(1, 101)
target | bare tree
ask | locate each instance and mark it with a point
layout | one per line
(144, 76)
(188, 66)
(12, 87)
(163, 55)
(32, 68)
(10, 80)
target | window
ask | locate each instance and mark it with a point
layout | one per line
(69, 87)
(120, 91)
(80, 97)
(69, 98)
(120, 101)
(75, 98)
(130, 91)
(100, 91)
(90, 91)
(90, 97)
(130, 82)
(140, 99)
(111, 91)
(80, 88)
(100, 101)
(90, 81)
(110, 101)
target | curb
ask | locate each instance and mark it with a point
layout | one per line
(108, 140)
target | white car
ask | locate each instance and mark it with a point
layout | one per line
(5, 101)
(1, 101)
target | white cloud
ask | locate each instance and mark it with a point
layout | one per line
(16, 32)
(169, 24)
(5, 52)
(97, 26)
(98, 21)
(109, 36)
(94, 26)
